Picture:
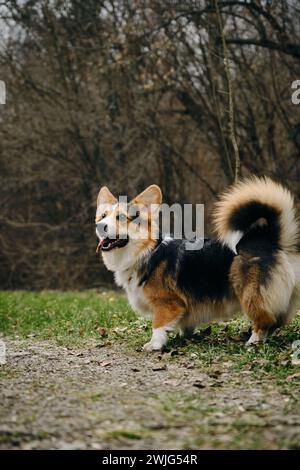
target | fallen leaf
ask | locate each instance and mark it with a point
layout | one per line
(202, 381)
(173, 382)
(159, 367)
(105, 363)
(217, 383)
(103, 345)
(215, 373)
(120, 330)
(199, 384)
(293, 377)
(102, 331)
(237, 338)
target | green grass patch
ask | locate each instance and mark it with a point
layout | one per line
(76, 318)
(15, 437)
(89, 319)
(224, 343)
(123, 434)
(7, 374)
(67, 317)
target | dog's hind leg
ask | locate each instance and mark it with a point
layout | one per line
(264, 325)
(186, 332)
(264, 295)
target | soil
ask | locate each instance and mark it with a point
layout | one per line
(53, 397)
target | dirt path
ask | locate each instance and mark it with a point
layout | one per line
(106, 398)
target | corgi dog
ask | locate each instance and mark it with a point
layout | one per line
(252, 265)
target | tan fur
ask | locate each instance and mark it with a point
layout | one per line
(267, 304)
(142, 239)
(167, 304)
(245, 278)
(145, 245)
(105, 196)
(207, 311)
(151, 195)
(262, 190)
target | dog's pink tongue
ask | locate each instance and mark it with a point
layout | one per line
(99, 246)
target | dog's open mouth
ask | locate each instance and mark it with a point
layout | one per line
(107, 244)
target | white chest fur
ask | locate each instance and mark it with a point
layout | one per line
(135, 294)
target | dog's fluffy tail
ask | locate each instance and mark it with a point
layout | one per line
(257, 203)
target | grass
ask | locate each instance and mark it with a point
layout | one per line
(68, 317)
(89, 319)
(77, 318)
(124, 434)
(16, 437)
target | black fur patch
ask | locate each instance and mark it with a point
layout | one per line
(260, 242)
(259, 247)
(202, 273)
(244, 218)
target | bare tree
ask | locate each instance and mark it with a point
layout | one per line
(127, 94)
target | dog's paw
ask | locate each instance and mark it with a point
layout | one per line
(152, 346)
(256, 339)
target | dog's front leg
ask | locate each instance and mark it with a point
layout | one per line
(166, 318)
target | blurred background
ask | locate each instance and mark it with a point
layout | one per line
(129, 93)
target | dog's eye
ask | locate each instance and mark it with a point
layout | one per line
(103, 215)
(134, 213)
(121, 217)
(135, 218)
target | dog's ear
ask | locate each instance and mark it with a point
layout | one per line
(105, 196)
(151, 195)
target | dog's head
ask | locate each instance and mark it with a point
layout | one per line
(126, 230)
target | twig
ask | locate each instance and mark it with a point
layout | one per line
(230, 96)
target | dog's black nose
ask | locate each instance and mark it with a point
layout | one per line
(101, 228)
